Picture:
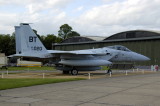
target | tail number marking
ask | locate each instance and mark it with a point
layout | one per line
(36, 48)
(32, 38)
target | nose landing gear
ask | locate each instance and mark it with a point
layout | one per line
(109, 71)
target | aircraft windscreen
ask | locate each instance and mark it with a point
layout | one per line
(119, 47)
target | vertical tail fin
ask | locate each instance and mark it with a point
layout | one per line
(18, 41)
(27, 40)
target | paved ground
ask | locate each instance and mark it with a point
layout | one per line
(136, 90)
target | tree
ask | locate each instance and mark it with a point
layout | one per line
(59, 40)
(12, 45)
(66, 32)
(73, 33)
(7, 44)
(49, 39)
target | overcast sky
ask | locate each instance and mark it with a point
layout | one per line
(87, 17)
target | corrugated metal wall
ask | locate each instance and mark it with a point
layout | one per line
(149, 48)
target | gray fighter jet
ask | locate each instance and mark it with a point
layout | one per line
(29, 45)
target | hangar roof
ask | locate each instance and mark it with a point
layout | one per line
(96, 38)
(76, 39)
(133, 34)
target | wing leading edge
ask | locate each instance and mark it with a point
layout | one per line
(80, 52)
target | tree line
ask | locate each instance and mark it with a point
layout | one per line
(7, 41)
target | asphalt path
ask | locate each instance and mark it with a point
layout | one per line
(135, 90)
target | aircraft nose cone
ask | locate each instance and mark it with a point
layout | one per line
(139, 57)
(142, 58)
(145, 58)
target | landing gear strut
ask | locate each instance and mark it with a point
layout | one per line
(109, 71)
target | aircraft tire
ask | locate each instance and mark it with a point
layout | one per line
(74, 72)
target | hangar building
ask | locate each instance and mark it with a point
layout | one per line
(141, 41)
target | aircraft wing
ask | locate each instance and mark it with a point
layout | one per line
(78, 52)
(53, 53)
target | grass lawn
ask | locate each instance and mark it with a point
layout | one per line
(29, 68)
(104, 67)
(16, 83)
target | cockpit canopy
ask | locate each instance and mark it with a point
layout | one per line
(119, 47)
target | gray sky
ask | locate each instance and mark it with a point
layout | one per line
(87, 17)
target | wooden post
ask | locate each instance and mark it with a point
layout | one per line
(43, 75)
(126, 73)
(110, 74)
(89, 76)
(2, 75)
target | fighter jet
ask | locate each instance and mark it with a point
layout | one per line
(29, 45)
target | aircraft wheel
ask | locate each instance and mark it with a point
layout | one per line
(74, 72)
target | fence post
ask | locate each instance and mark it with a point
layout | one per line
(110, 74)
(126, 73)
(43, 75)
(7, 72)
(2, 75)
(89, 76)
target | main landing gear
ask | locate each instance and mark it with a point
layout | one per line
(73, 72)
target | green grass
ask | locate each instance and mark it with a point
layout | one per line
(17, 83)
(104, 68)
(28, 68)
